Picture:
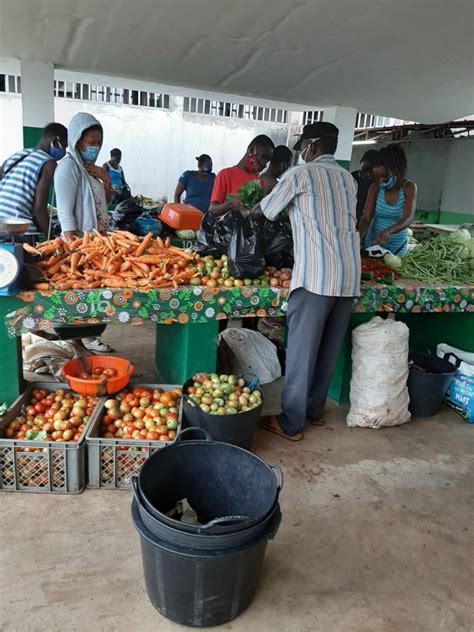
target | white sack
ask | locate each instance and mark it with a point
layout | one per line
(253, 354)
(48, 356)
(379, 392)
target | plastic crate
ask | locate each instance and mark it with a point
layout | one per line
(111, 462)
(58, 469)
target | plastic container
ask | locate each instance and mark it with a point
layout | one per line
(236, 429)
(229, 488)
(201, 588)
(58, 469)
(112, 462)
(428, 388)
(98, 387)
(206, 537)
(181, 216)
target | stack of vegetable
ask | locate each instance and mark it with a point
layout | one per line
(223, 394)
(445, 259)
(117, 260)
(215, 273)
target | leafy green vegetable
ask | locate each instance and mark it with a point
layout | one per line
(251, 193)
(392, 261)
(462, 234)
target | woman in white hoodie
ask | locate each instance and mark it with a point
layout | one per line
(82, 188)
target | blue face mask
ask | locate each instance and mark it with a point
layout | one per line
(90, 153)
(206, 170)
(388, 184)
(56, 152)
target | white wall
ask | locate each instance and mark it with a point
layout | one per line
(458, 190)
(11, 127)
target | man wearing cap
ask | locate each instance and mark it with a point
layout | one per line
(321, 197)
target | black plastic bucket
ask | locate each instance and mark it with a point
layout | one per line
(206, 538)
(428, 388)
(201, 588)
(229, 488)
(236, 429)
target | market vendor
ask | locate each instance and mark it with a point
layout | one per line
(83, 189)
(364, 176)
(116, 175)
(391, 203)
(321, 198)
(197, 185)
(229, 180)
(26, 176)
(280, 162)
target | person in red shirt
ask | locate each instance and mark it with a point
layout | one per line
(229, 180)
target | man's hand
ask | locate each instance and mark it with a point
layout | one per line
(235, 204)
(69, 235)
(98, 172)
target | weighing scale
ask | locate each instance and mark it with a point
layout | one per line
(11, 255)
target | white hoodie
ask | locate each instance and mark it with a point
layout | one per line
(74, 198)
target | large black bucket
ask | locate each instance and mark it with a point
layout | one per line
(201, 588)
(428, 388)
(237, 429)
(229, 488)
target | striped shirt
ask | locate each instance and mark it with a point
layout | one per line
(321, 197)
(18, 185)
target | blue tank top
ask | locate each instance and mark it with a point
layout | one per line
(386, 215)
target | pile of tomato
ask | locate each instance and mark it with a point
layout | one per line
(58, 415)
(98, 372)
(142, 414)
(373, 269)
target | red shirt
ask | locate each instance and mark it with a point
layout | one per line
(228, 182)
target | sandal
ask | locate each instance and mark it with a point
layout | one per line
(317, 422)
(271, 424)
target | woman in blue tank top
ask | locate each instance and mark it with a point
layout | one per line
(391, 203)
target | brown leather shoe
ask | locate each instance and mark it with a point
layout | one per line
(272, 424)
(317, 422)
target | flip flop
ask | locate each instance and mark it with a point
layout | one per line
(271, 424)
(317, 422)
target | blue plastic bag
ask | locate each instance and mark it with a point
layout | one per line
(147, 224)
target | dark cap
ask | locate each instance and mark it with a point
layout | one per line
(317, 130)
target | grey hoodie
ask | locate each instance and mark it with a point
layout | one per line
(74, 197)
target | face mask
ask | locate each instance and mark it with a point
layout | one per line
(56, 152)
(388, 184)
(206, 170)
(90, 153)
(251, 165)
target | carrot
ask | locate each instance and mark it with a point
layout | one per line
(30, 250)
(74, 261)
(55, 268)
(144, 245)
(138, 271)
(160, 243)
(65, 285)
(147, 259)
(41, 286)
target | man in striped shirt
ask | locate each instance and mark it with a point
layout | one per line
(25, 178)
(321, 197)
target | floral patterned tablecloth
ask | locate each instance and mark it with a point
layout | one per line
(41, 310)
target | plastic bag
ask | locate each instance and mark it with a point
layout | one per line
(147, 224)
(245, 253)
(205, 243)
(379, 392)
(460, 394)
(277, 240)
(252, 354)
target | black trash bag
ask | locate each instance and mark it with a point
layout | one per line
(245, 253)
(277, 240)
(205, 242)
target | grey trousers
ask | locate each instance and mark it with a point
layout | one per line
(316, 329)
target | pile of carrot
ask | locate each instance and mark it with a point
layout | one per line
(116, 260)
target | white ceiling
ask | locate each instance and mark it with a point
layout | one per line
(411, 59)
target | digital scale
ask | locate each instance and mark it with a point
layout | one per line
(11, 255)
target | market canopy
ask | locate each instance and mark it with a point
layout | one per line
(410, 59)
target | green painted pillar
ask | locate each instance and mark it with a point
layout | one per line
(37, 99)
(183, 350)
(11, 369)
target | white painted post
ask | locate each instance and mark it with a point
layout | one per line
(345, 119)
(37, 97)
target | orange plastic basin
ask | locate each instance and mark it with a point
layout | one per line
(97, 387)
(181, 216)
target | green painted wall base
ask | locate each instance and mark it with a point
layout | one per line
(443, 217)
(344, 163)
(11, 368)
(183, 350)
(426, 331)
(31, 136)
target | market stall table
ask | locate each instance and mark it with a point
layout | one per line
(187, 321)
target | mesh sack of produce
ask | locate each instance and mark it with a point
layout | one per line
(379, 392)
(277, 240)
(245, 253)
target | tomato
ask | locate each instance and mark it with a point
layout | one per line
(25, 427)
(125, 407)
(98, 370)
(35, 393)
(138, 413)
(83, 375)
(43, 394)
(163, 429)
(40, 408)
(144, 402)
(77, 436)
(171, 424)
(152, 436)
(30, 410)
(172, 435)
(137, 392)
(171, 415)
(164, 437)
(109, 372)
(49, 401)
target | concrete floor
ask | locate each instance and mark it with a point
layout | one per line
(377, 536)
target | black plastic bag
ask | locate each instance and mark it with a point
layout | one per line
(277, 240)
(245, 253)
(214, 235)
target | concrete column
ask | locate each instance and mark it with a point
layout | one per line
(343, 118)
(37, 97)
